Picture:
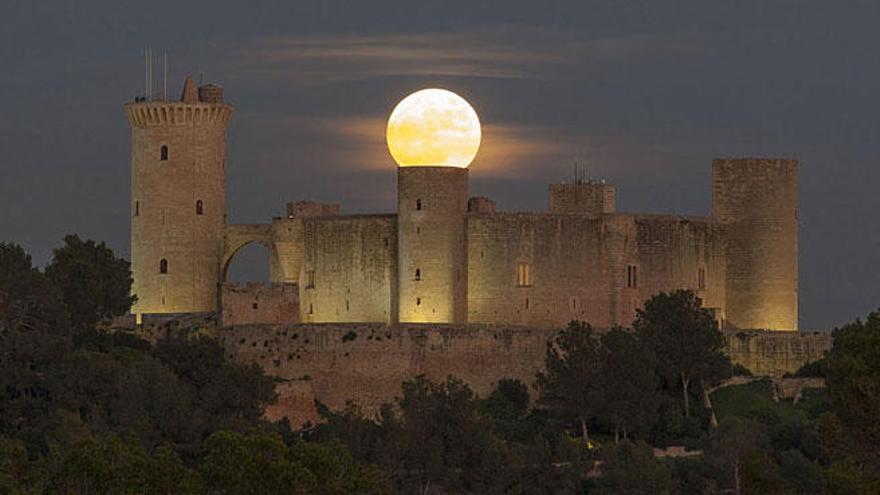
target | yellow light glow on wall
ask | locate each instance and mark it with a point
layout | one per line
(433, 127)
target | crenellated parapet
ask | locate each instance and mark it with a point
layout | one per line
(150, 114)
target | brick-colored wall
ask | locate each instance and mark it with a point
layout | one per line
(367, 363)
(254, 303)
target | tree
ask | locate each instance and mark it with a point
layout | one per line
(441, 439)
(507, 408)
(571, 380)
(852, 434)
(96, 285)
(732, 444)
(630, 396)
(34, 338)
(16, 474)
(632, 469)
(686, 340)
(28, 300)
(231, 394)
(258, 463)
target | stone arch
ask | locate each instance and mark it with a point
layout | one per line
(239, 236)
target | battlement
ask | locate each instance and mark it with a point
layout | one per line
(162, 113)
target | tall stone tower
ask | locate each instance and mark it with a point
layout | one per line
(757, 200)
(431, 236)
(178, 200)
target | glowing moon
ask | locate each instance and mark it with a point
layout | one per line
(433, 127)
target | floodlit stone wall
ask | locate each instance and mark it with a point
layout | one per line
(596, 269)
(178, 204)
(432, 271)
(349, 269)
(758, 198)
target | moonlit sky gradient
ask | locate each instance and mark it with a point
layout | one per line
(642, 93)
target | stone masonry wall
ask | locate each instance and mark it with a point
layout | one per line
(757, 199)
(366, 363)
(246, 304)
(578, 265)
(776, 353)
(349, 269)
(178, 204)
(584, 197)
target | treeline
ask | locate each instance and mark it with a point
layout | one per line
(86, 411)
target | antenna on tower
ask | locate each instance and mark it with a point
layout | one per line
(165, 77)
(149, 74)
(146, 73)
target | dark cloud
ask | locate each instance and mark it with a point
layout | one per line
(642, 93)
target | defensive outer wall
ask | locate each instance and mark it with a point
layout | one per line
(366, 363)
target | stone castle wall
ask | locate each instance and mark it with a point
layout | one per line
(775, 353)
(592, 268)
(349, 269)
(247, 304)
(366, 363)
(578, 265)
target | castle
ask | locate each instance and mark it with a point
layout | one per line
(448, 285)
(444, 257)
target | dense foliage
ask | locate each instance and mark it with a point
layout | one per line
(88, 411)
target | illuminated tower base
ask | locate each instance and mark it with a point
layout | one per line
(431, 207)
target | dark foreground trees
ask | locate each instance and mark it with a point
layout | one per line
(94, 283)
(685, 338)
(609, 379)
(84, 411)
(852, 432)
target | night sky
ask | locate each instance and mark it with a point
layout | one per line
(643, 94)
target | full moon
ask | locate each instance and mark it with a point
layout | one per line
(433, 127)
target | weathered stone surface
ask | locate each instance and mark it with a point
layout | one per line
(178, 203)
(776, 353)
(248, 304)
(757, 199)
(366, 363)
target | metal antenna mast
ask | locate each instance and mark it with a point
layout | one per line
(150, 74)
